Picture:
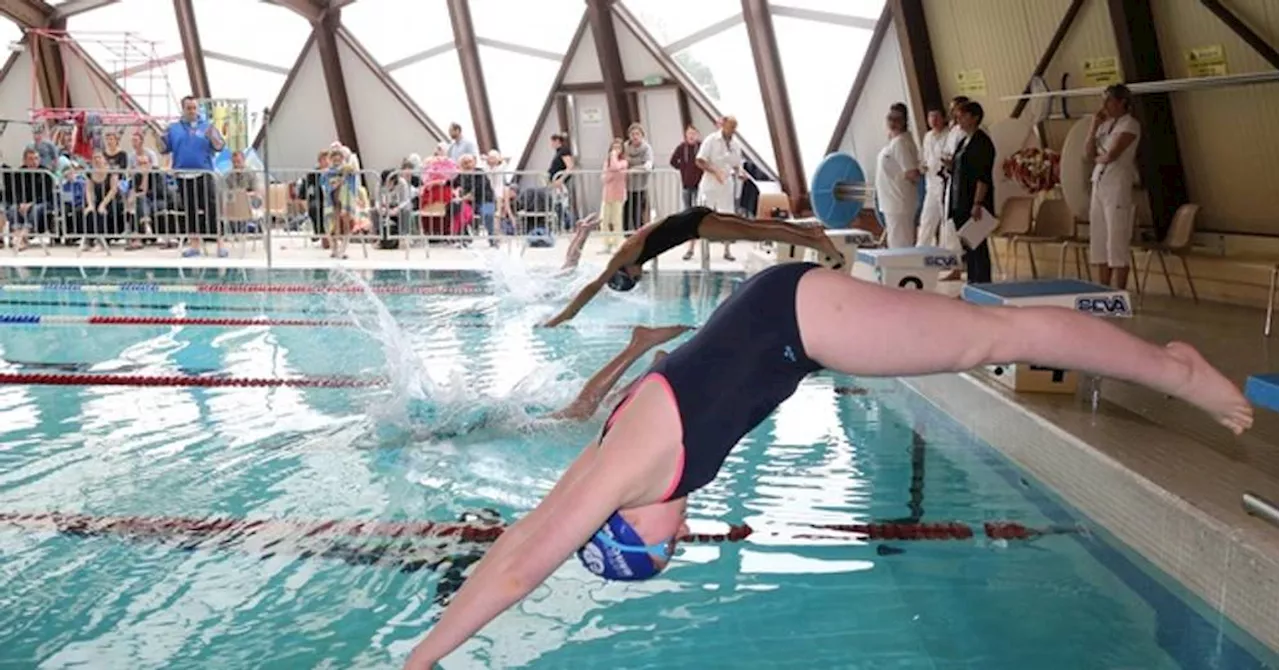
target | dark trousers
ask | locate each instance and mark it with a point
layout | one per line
(977, 263)
(635, 211)
(200, 205)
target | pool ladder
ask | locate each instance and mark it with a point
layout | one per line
(1256, 505)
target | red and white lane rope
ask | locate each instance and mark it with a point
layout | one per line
(130, 320)
(141, 526)
(83, 379)
(152, 287)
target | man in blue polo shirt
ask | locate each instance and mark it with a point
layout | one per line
(193, 142)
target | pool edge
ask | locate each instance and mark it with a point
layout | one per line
(1207, 556)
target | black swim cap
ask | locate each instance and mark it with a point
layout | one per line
(622, 281)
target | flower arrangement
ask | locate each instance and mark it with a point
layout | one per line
(1035, 169)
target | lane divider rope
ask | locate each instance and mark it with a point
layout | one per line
(82, 379)
(123, 320)
(141, 526)
(151, 287)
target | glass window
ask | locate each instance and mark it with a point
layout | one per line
(546, 24)
(251, 29)
(672, 20)
(436, 85)
(137, 42)
(394, 29)
(517, 85)
(239, 82)
(722, 67)
(818, 94)
(9, 31)
(869, 9)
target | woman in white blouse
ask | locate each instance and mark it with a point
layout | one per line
(897, 172)
(1113, 142)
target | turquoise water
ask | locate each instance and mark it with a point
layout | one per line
(1070, 601)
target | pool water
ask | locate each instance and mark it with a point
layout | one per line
(1071, 601)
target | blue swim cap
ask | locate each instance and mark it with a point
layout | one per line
(617, 553)
(621, 281)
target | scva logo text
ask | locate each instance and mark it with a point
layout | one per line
(1113, 306)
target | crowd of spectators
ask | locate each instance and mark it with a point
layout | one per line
(77, 184)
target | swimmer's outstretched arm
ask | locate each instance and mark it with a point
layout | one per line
(718, 227)
(599, 482)
(580, 234)
(624, 256)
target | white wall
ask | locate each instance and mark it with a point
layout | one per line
(887, 84)
(87, 89)
(15, 106)
(303, 124)
(637, 62)
(584, 68)
(660, 116)
(385, 127)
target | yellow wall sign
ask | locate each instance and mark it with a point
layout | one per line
(1102, 71)
(1208, 61)
(971, 82)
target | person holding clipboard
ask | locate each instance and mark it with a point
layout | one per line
(972, 192)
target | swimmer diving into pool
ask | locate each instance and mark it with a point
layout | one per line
(625, 267)
(621, 505)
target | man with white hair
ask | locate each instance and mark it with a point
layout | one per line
(720, 158)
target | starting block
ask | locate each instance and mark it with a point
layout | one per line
(1074, 294)
(1261, 390)
(910, 267)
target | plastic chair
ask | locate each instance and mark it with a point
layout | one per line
(1016, 226)
(1177, 242)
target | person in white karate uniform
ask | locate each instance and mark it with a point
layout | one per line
(897, 173)
(1113, 142)
(935, 146)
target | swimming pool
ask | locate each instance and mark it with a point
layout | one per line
(465, 342)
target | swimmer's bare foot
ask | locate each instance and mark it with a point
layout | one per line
(1209, 390)
(646, 337)
(820, 236)
(591, 222)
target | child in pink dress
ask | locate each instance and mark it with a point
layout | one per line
(614, 195)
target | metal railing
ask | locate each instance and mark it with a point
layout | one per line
(246, 212)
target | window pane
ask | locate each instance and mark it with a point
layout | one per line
(124, 39)
(818, 94)
(127, 33)
(671, 20)
(517, 85)
(723, 68)
(436, 85)
(9, 31)
(238, 82)
(251, 29)
(869, 9)
(507, 21)
(394, 29)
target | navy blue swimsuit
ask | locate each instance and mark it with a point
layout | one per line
(735, 371)
(671, 232)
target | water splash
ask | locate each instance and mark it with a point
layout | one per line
(516, 282)
(420, 408)
(409, 377)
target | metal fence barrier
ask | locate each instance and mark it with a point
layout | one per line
(245, 213)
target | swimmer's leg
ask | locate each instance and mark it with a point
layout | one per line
(580, 234)
(588, 401)
(859, 328)
(718, 227)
